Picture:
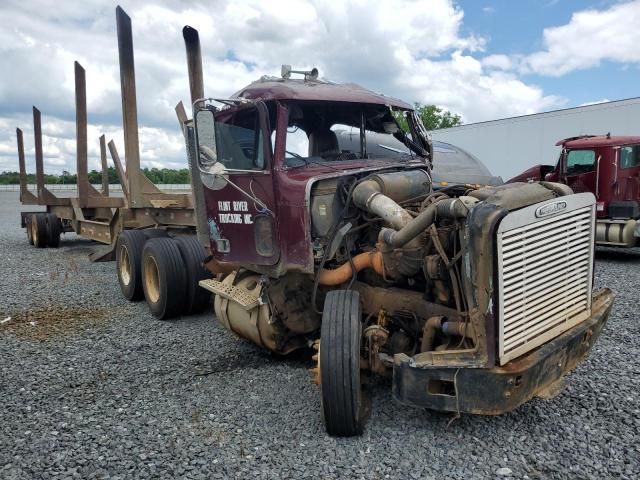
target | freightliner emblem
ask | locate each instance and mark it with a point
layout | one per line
(550, 209)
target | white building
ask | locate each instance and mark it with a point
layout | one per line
(511, 145)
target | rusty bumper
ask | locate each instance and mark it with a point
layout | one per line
(501, 389)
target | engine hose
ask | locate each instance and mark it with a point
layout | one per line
(444, 208)
(344, 272)
(432, 325)
(399, 238)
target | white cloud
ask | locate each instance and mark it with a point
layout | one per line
(411, 49)
(498, 61)
(590, 37)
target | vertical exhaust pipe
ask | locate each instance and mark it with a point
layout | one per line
(196, 88)
(81, 135)
(37, 138)
(194, 62)
(129, 107)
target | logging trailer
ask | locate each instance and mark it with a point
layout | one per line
(123, 224)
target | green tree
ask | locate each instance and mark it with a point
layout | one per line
(432, 116)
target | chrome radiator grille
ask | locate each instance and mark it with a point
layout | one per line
(545, 258)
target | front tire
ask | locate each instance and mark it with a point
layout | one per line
(339, 362)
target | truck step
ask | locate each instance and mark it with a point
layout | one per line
(248, 299)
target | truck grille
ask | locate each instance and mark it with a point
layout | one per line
(544, 272)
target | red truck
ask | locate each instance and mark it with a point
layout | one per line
(609, 167)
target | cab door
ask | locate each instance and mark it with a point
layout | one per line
(239, 191)
(580, 170)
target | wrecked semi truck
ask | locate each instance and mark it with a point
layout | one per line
(609, 167)
(471, 298)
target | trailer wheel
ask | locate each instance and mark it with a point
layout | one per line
(53, 230)
(193, 255)
(29, 230)
(164, 278)
(129, 263)
(340, 364)
(39, 230)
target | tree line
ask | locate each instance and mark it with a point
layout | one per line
(432, 116)
(156, 175)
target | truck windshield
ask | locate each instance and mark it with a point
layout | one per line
(338, 131)
(630, 156)
(580, 161)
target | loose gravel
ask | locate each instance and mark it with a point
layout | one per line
(93, 387)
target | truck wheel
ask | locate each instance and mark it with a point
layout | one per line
(164, 278)
(340, 364)
(129, 263)
(193, 255)
(53, 230)
(39, 230)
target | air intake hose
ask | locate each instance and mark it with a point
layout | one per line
(446, 208)
(379, 195)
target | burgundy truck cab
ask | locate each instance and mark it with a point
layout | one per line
(609, 167)
(333, 227)
(276, 140)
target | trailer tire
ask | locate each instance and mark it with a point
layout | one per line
(39, 230)
(164, 278)
(339, 361)
(29, 231)
(53, 230)
(129, 263)
(193, 255)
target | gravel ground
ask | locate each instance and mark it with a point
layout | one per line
(93, 387)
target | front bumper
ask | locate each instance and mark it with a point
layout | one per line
(493, 391)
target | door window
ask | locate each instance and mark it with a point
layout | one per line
(630, 156)
(239, 140)
(580, 161)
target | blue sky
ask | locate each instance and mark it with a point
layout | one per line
(482, 59)
(516, 27)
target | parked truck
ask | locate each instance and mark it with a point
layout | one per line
(471, 297)
(607, 166)
(324, 224)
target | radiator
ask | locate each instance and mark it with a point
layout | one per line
(545, 272)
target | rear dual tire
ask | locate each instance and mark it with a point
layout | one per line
(53, 230)
(193, 256)
(129, 260)
(39, 233)
(44, 230)
(164, 278)
(165, 271)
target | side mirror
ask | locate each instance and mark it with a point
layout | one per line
(212, 172)
(206, 137)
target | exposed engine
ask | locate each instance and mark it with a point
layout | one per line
(392, 229)
(400, 244)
